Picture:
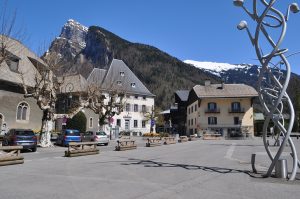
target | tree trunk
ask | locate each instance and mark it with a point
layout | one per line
(47, 126)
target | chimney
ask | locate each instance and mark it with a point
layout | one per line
(223, 85)
(207, 82)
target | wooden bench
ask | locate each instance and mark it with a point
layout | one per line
(192, 138)
(125, 144)
(10, 155)
(169, 140)
(81, 148)
(212, 136)
(154, 141)
(183, 139)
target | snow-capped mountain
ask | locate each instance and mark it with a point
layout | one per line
(230, 73)
(217, 68)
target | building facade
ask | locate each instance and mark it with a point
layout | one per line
(225, 109)
(16, 111)
(138, 101)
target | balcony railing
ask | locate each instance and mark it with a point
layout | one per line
(236, 110)
(215, 110)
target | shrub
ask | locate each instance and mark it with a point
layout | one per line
(77, 122)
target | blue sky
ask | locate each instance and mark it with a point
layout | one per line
(202, 30)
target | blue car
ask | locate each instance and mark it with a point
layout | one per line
(21, 137)
(67, 136)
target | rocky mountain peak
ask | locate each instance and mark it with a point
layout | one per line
(74, 32)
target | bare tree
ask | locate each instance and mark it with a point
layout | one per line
(8, 30)
(150, 115)
(45, 91)
(104, 103)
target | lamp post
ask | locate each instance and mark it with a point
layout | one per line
(272, 85)
(68, 89)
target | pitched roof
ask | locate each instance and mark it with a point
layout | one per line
(73, 83)
(26, 63)
(183, 95)
(119, 76)
(96, 76)
(225, 91)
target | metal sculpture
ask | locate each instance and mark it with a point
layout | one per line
(272, 81)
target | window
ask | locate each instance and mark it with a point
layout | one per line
(212, 120)
(132, 85)
(189, 122)
(191, 131)
(136, 97)
(119, 83)
(13, 64)
(122, 73)
(22, 111)
(143, 108)
(144, 97)
(127, 125)
(127, 108)
(235, 106)
(91, 122)
(212, 106)
(135, 123)
(192, 122)
(189, 110)
(119, 122)
(195, 107)
(135, 108)
(236, 120)
(195, 121)
(144, 124)
(192, 109)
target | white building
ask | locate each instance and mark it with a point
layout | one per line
(138, 101)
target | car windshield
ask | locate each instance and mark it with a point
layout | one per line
(24, 133)
(72, 133)
(100, 133)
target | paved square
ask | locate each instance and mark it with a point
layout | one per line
(197, 169)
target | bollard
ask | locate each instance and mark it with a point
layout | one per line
(253, 163)
(281, 169)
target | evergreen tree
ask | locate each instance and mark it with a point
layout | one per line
(77, 122)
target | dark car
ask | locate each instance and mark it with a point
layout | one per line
(21, 137)
(87, 136)
(67, 136)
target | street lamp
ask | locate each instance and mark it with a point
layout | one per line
(271, 86)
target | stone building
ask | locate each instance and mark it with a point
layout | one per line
(15, 110)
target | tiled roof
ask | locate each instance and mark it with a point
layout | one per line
(227, 91)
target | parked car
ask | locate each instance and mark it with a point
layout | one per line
(21, 137)
(67, 136)
(88, 136)
(101, 138)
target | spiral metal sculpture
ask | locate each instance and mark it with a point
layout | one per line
(272, 82)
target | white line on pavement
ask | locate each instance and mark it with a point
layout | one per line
(230, 151)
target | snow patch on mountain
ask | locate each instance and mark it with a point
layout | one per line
(216, 68)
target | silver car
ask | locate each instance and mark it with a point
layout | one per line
(101, 138)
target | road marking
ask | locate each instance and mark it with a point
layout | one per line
(230, 151)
